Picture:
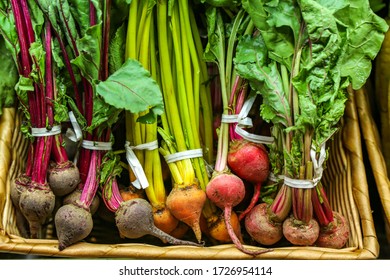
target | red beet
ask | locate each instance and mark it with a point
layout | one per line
(261, 228)
(226, 190)
(299, 233)
(250, 162)
(336, 234)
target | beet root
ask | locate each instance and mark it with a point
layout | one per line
(17, 187)
(301, 234)
(36, 204)
(226, 190)
(186, 204)
(134, 219)
(260, 227)
(164, 220)
(73, 223)
(218, 231)
(250, 162)
(75, 195)
(63, 178)
(336, 234)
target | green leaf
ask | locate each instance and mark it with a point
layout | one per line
(37, 18)
(252, 64)
(79, 9)
(116, 53)
(89, 58)
(133, 89)
(215, 48)
(8, 30)
(61, 17)
(364, 40)
(9, 74)
(279, 23)
(104, 115)
(37, 54)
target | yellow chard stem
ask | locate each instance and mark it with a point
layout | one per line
(205, 95)
(186, 171)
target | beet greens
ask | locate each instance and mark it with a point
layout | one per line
(302, 67)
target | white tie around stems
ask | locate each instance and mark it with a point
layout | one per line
(317, 167)
(195, 153)
(77, 134)
(96, 145)
(43, 131)
(243, 121)
(141, 182)
(275, 178)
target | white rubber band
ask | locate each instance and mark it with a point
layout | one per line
(141, 181)
(259, 139)
(71, 135)
(43, 131)
(76, 127)
(247, 106)
(96, 145)
(272, 177)
(243, 121)
(183, 155)
(318, 164)
(299, 183)
(247, 122)
(146, 146)
(318, 170)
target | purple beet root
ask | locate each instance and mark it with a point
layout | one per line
(134, 219)
(63, 178)
(73, 223)
(17, 187)
(37, 204)
(75, 195)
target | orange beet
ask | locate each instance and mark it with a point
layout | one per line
(218, 230)
(186, 204)
(130, 193)
(164, 220)
(180, 230)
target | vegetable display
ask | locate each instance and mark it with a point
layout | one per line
(193, 122)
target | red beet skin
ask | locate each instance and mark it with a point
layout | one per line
(249, 161)
(261, 228)
(227, 190)
(301, 234)
(336, 234)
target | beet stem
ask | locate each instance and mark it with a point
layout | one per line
(170, 239)
(91, 184)
(254, 200)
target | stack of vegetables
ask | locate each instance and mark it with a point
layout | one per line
(181, 122)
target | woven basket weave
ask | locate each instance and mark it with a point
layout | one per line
(371, 136)
(344, 179)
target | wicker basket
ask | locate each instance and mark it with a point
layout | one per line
(371, 136)
(344, 178)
